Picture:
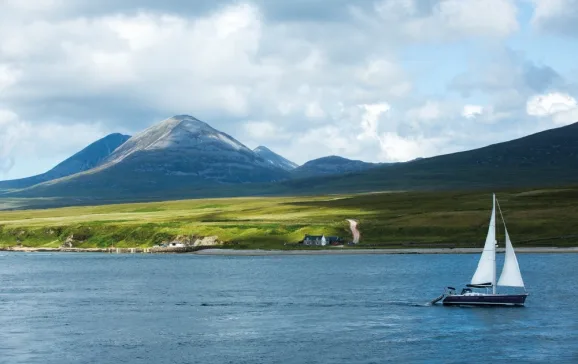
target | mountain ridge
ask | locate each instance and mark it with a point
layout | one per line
(331, 165)
(87, 158)
(180, 150)
(547, 158)
(275, 159)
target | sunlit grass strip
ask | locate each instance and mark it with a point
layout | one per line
(391, 220)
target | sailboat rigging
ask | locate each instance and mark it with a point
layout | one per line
(485, 275)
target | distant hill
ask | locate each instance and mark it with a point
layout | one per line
(331, 165)
(548, 158)
(179, 152)
(274, 158)
(86, 159)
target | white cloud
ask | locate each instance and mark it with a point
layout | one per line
(550, 8)
(22, 140)
(8, 77)
(392, 147)
(550, 104)
(263, 131)
(479, 17)
(324, 141)
(566, 117)
(370, 120)
(34, 5)
(9, 132)
(160, 58)
(471, 111)
(395, 148)
(557, 16)
(314, 111)
(429, 111)
(452, 19)
(560, 108)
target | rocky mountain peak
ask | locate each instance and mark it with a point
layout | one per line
(274, 159)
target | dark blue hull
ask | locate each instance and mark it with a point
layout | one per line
(485, 300)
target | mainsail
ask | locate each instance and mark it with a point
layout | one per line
(486, 271)
(354, 231)
(511, 275)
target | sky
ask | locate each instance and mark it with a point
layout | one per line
(375, 80)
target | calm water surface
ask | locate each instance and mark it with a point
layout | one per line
(98, 308)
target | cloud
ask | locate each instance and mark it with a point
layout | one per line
(307, 78)
(8, 77)
(8, 134)
(429, 111)
(451, 19)
(264, 131)
(22, 140)
(563, 108)
(539, 78)
(508, 81)
(370, 120)
(471, 111)
(549, 104)
(556, 16)
(396, 148)
(314, 111)
(142, 53)
(505, 69)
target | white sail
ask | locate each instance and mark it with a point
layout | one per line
(511, 275)
(486, 272)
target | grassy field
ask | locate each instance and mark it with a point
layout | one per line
(403, 219)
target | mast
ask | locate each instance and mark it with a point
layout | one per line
(495, 243)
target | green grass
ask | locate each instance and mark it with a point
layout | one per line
(402, 219)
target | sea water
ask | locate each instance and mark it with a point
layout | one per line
(107, 308)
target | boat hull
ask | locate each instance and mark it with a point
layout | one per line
(485, 300)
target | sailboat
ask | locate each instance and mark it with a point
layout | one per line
(485, 275)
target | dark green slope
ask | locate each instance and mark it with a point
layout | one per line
(329, 166)
(543, 159)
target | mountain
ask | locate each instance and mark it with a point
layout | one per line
(331, 165)
(84, 160)
(274, 158)
(548, 158)
(180, 152)
(184, 158)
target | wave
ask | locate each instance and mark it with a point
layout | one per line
(307, 304)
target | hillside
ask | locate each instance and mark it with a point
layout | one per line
(548, 158)
(388, 220)
(88, 158)
(274, 158)
(331, 165)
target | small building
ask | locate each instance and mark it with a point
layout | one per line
(321, 240)
(333, 240)
(318, 240)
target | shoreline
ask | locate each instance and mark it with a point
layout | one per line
(259, 252)
(262, 252)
